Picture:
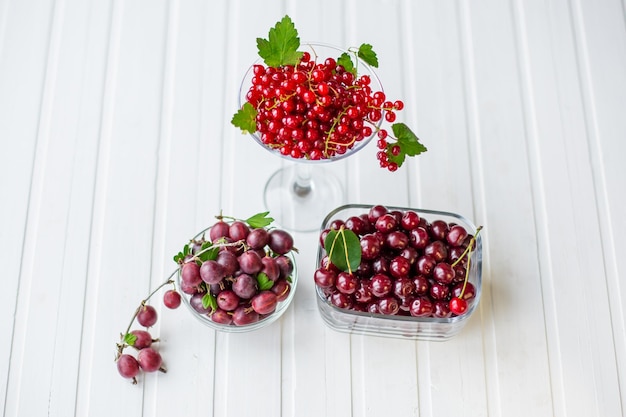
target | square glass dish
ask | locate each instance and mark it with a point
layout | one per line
(358, 311)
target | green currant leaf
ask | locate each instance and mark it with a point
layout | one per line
(130, 339)
(259, 220)
(281, 47)
(245, 118)
(408, 142)
(344, 249)
(264, 282)
(367, 54)
(209, 301)
(345, 60)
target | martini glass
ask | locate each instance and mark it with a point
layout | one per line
(301, 193)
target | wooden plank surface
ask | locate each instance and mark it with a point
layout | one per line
(117, 147)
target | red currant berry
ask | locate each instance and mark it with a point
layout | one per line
(379, 95)
(375, 115)
(390, 116)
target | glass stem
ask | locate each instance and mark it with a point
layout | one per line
(303, 186)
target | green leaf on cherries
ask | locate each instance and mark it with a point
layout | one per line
(407, 140)
(130, 339)
(367, 54)
(345, 60)
(245, 118)
(264, 282)
(281, 46)
(289, 279)
(259, 220)
(208, 252)
(209, 301)
(344, 249)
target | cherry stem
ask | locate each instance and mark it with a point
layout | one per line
(465, 252)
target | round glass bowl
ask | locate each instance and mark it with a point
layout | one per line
(300, 194)
(400, 326)
(264, 321)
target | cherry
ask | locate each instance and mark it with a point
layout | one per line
(466, 291)
(422, 286)
(456, 235)
(441, 309)
(443, 273)
(421, 307)
(458, 306)
(425, 265)
(325, 278)
(341, 300)
(403, 287)
(386, 223)
(439, 291)
(363, 293)
(437, 249)
(370, 246)
(346, 283)
(357, 225)
(410, 220)
(396, 240)
(388, 306)
(399, 267)
(381, 285)
(375, 212)
(438, 229)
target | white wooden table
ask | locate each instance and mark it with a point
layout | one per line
(116, 147)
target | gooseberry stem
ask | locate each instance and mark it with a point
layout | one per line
(168, 281)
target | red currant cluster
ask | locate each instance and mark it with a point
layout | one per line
(318, 110)
(409, 266)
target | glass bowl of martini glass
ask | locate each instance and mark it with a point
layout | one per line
(325, 108)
